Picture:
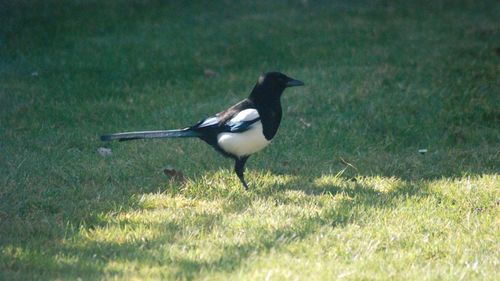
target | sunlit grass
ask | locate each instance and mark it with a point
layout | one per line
(372, 228)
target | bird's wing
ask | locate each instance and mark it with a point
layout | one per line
(239, 122)
(242, 120)
(208, 122)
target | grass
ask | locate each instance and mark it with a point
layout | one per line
(384, 79)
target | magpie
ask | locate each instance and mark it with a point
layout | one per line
(239, 131)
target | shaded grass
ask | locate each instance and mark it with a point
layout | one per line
(384, 79)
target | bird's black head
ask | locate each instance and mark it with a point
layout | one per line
(272, 84)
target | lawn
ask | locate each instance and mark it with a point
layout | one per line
(342, 192)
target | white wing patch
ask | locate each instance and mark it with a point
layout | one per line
(245, 115)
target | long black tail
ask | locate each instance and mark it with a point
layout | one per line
(183, 133)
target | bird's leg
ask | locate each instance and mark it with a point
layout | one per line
(239, 168)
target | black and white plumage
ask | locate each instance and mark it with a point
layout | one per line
(239, 131)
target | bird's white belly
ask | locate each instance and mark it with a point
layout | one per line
(245, 143)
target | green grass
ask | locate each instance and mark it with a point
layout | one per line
(384, 79)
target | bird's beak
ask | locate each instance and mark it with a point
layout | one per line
(294, 82)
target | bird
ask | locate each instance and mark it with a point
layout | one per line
(239, 131)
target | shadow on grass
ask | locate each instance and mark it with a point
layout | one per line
(173, 251)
